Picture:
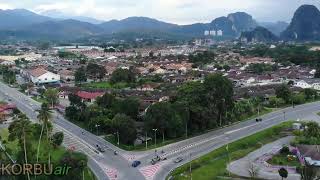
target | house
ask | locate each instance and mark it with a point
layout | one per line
(89, 96)
(66, 75)
(42, 76)
(310, 154)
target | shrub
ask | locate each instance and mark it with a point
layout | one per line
(285, 150)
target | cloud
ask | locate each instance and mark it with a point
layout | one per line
(5, 6)
(176, 11)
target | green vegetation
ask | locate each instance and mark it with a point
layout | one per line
(310, 136)
(123, 75)
(214, 164)
(106, 85)
(284, 160)
(261, 68)
(109, 115)
(34, 143)
(8, 75)
(202, 58)
(286, 54)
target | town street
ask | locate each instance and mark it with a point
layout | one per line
(109, 166)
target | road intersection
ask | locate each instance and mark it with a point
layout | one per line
(109, 166)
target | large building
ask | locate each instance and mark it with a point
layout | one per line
(41, 76)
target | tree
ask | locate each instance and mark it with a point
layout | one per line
(317, 74)
(51, 96)
(253, 170)
(283, 173)
(163, 117)
(151, 54)
(96, 71)
(126, 128)
(283, 92)
(106, 101)
(80, 75)
(219, 95)
(57, 139)
(44, 117)
(312, 130)
(20, 129)
(123, 75)
(310, 93)
(76, 101)
(128, 106)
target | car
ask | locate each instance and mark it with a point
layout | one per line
(258, 120)
(179, 159)
(136, 163)
(99, 148)
(155, 160)
(164, 158)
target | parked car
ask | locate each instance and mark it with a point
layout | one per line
(136, 163)
(179, 159)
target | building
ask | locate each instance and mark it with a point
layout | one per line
(42, 76)
(66, 75)
(89, 96)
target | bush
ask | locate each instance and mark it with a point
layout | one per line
(285, 150)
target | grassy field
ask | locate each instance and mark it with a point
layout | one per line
(105, 85)
(282, 159)
(213, 165)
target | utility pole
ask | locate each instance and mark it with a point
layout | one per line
(186, 129)
(190, 167)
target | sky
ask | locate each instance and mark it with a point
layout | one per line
(173, 11)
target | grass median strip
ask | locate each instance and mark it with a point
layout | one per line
(213, 165)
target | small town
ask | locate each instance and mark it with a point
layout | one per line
(139, 98)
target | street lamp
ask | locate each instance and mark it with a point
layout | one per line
(155, 136)
(97, 126)
(118, 138)
(146, 140)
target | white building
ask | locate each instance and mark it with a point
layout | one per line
(213, 33)
(42, 76)
(302, 84)
(219, 33)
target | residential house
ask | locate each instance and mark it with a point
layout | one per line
(66, 75)
(89, 96)
(311, 156)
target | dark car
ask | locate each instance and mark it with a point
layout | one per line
(136, 163)
(99, 148)
(258, 120)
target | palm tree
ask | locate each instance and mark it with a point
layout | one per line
(20, 129)
(44, 117)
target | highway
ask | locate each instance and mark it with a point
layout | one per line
(109, 166)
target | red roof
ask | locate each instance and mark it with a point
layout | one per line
(89, 95)
(6, 107)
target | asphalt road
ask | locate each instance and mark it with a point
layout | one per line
(105, 165)
(109, 166)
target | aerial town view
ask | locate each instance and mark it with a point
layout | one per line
(159, 90)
